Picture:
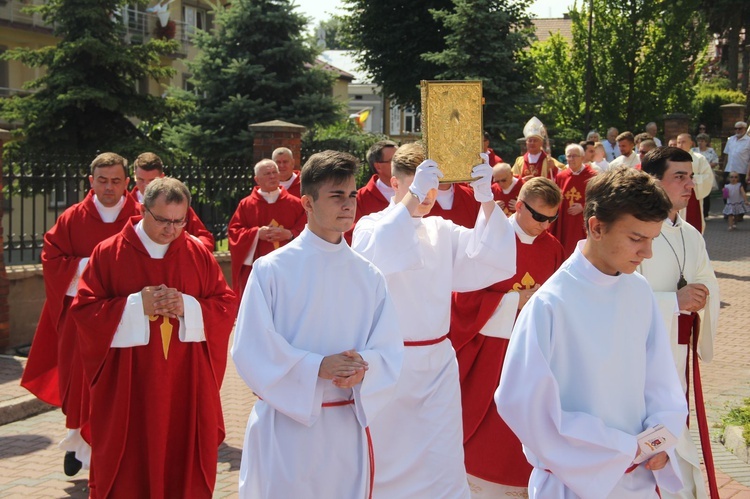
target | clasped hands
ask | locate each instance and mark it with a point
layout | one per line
(161, 300)
(344, 369)
(274, 234)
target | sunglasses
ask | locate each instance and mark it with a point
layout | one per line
(538, 216)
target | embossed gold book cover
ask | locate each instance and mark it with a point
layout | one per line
(452, 126)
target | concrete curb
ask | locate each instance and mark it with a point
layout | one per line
(22, 408)
(735, 442)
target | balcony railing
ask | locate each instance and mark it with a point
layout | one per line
(12, 11)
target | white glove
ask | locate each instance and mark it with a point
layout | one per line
(483, 184)
(425, 179)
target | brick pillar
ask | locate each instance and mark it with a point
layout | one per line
(269, 135)
(4, 283)
(675, 124)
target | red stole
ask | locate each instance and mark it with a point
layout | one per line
(295, 187)
(538, 169)
(492, 451)
(694, 212)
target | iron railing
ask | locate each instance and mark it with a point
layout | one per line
(36, 191)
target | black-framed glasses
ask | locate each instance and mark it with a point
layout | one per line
(163, 222)
(538, 216)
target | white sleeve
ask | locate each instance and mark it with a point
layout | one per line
(710, 313)
(73, 287)
(133, 330)
(284, 376)
(500, 324)
(384, 355)
(485, 254)
(669, 310)
(250, 258)
(390, 242)
(191, 326)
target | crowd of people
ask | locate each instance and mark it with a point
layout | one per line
(526, 334)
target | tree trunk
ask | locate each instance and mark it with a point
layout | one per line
(733, 47)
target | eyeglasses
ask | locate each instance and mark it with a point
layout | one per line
(538, 216)
(163, 222)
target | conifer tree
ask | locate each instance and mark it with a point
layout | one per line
(88, 94)
(255, 66)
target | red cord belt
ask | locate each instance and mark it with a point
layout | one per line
(424, 343)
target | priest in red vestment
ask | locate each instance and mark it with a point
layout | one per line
(154, 315)
(288, 176)
(146, 168)
(455, 202)
(535, 162)
(53, 371)
(569, 227)
(505, 188)
(481, 323)
(265, 220)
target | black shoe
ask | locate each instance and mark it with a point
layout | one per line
(71, 465)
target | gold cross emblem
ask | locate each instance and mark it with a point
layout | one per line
(274, 223)
(572, 196)
(527, 282)
(166, 332)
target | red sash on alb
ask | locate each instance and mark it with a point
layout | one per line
(690, 324)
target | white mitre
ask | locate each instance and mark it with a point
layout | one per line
(534, 127)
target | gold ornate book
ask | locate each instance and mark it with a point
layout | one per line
(452, 128)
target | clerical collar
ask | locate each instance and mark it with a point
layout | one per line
(522, 236)
(386, 190)
(677, 221)
(576, 173)
(109, 214)
(588, 270)
(309, 237)
(155, 250)
(270, 197)
(286, 183)
(445, 198)
(533, 158)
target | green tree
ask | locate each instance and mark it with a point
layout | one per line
(560, 82)
(255, 66)
(484, 41)
(89, 91)
(645, 55)
(390, 37)
(729, 18)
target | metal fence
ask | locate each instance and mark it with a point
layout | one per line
(36, 191)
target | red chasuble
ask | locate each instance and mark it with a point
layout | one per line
(370, 199)
(194, 225)
(493, 156)
(569, 229)
(492, 451)
(156, 420)
(295, 187)
(499, 195)
(464, 210)
(53, 371)
(252, 213)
